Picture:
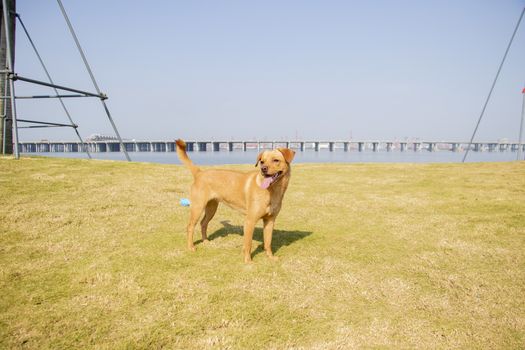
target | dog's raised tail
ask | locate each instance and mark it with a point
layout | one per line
(183, 156)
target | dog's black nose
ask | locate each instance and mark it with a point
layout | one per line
(264, 169)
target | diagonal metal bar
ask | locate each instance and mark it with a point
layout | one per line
(52, 82)
(43, 96)
(43, 83)
(47, 123)
(88, 68)
(39, 126)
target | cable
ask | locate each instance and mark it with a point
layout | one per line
(493, 85)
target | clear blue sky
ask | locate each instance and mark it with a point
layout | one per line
(279, 69)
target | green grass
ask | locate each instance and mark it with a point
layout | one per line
(92, 255)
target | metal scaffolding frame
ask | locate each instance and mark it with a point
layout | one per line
(12, 77)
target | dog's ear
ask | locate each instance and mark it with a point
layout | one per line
(259, 158)
(287, 153)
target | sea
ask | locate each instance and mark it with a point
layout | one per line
(308, 156)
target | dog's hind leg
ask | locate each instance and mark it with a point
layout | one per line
(209, 212)
(197, 207)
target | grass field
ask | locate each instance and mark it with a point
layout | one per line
(429, 256)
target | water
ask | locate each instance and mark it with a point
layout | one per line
(249, 157)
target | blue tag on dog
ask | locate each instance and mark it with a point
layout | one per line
(185, 202)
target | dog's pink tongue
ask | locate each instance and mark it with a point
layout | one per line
(266, 182)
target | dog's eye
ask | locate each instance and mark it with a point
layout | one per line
(262, 161)
(276, 160)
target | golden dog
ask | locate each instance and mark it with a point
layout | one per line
(257, 194)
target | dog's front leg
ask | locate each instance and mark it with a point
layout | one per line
(249, 226)
(268, 233)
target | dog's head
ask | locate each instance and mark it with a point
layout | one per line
(274, 165)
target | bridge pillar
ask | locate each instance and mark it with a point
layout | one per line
(331, 146)
(389, 146)
(216, 146)
(431, 147)
(375, 146)
(346, 146)
(361, 146)
(301, 145)
(316, 145)
(417, 146)
(403, 146)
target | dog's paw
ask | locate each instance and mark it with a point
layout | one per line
(192, 248)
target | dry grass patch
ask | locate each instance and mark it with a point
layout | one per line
(92, 255)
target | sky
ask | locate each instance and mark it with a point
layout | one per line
(275, 70)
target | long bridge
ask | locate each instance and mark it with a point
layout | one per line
(216, 146)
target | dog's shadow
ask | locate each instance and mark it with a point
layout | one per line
(280, 238)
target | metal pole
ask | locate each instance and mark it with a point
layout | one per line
(88, 68)
(4, 117)
(520, 146)
(9, 52)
